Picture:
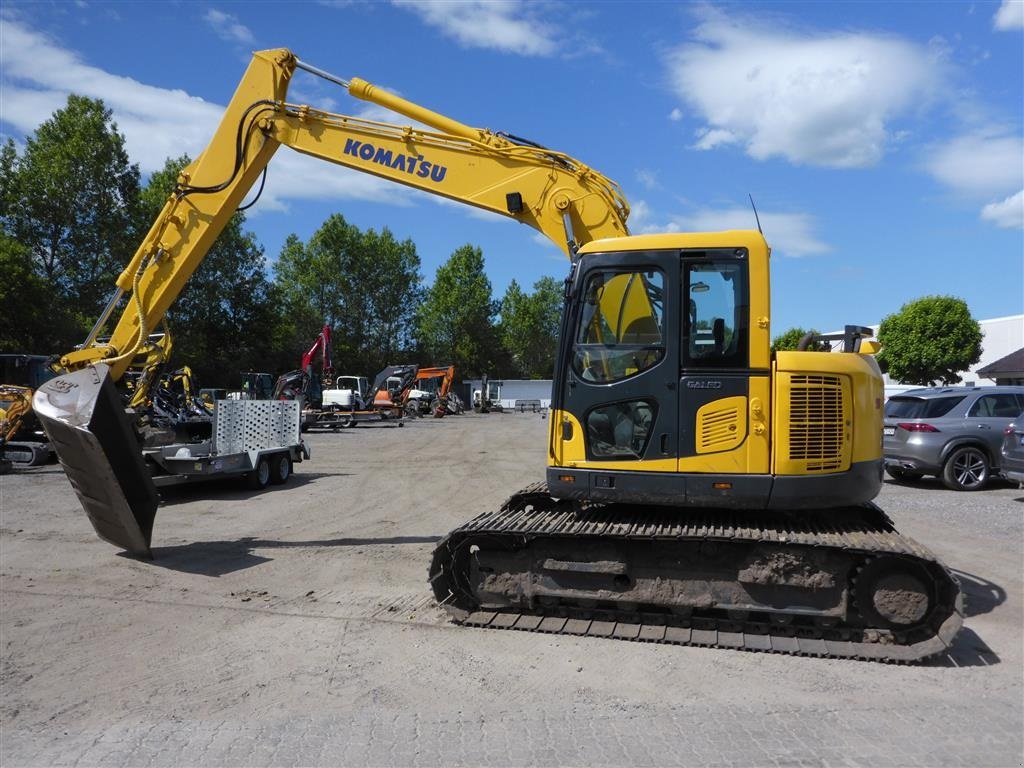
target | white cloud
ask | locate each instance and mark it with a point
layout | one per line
(37, 76)
(228, 27)
(981, 164)
(640, 217)
(709, 138)
(675, 115)
(647, 178)
(510, 26)
(789, 234)
(825, 99)
(1010, 16)
(550, 250)
(1007, 214)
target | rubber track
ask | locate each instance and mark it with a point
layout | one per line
(532, 513)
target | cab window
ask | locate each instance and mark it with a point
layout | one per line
(621, 325)
(620, 430)
(715, 316)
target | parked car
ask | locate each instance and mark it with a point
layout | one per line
(1011, 462)
(955, 433)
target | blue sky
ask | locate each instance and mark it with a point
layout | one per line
(881, 142)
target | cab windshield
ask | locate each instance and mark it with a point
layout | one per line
(621, 325)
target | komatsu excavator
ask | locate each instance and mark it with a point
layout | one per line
(700, 490)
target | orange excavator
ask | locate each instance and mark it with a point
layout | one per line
(430, 392)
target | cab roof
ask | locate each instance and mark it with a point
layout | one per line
(738, 238)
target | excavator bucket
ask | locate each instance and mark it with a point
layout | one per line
(84, 417)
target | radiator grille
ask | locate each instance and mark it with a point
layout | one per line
(816, 421)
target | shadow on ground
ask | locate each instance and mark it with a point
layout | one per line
(969, 650)
(216, 558)
(980, 595)
(234, 489)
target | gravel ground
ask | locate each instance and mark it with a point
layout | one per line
(296, 627)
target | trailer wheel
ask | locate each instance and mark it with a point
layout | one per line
(280, 469)
(260, 476)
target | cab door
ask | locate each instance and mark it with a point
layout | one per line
(719, 393)
(619, 407)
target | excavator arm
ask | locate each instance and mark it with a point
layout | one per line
(550, 191)
(149, 362)
(446, 375)
(569, 202)
(323, 346)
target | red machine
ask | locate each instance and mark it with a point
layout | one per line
(301, 382)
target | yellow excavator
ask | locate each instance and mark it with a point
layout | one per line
(22, 440)
(146, 368)
(700, 490)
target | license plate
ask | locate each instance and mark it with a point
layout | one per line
(889, 431)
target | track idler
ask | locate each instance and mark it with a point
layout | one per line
(83, 415)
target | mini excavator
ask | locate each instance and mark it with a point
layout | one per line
(700, 489)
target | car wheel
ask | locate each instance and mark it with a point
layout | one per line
(280, 469)
(966, 469)
(260, 476)
(903, 475)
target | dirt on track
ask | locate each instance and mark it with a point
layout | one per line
(304, 613)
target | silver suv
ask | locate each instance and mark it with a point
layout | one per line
(953, 432)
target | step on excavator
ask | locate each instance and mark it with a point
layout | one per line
(699, 488)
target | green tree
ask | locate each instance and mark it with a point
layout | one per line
(529, 327)
(8, 180)
(32, 321)
(395, 290)
(365, 285)
(456, 320)
(930, 340)
(71, 199)
(789, 340)
(225, 319)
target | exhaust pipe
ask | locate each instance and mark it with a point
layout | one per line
(83, 415)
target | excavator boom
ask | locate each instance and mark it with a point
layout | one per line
(547, 190)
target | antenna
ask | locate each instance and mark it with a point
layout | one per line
(756, 217)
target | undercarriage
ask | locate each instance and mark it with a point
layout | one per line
(838, 582)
